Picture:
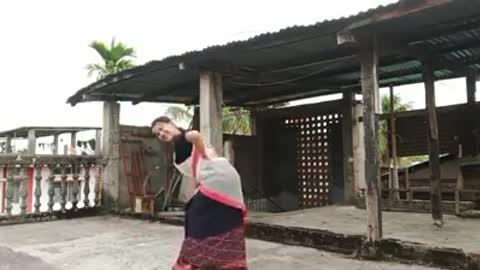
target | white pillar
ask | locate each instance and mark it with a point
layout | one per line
(98, 140)
(211, 100)
(32, 142)
(111, 152)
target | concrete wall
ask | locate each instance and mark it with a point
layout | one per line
(158, 160)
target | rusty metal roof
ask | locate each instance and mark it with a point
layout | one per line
(305, 61)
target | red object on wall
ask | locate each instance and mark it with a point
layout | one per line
(29, 189)
(4, 191)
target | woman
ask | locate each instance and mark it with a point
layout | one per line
(215, 212)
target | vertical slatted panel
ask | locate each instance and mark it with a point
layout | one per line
(313, 158)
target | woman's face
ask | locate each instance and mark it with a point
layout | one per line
(165, 131)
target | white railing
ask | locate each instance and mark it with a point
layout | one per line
(49, 184)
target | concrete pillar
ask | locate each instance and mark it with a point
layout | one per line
(358, 148)
(8, 145)
(55, 144)
(211, 100)
(73, 142)
(98, 142)
(347, 134)
(32, 142)
(111, 152)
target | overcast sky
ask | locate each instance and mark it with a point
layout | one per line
(44, 46)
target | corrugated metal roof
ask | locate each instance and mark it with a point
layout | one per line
(251, 67)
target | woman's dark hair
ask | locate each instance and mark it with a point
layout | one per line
(162, 119)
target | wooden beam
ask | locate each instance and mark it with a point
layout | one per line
(211, 101)
(370, 91)
(32, 142)
(433, 143)
(347, 137)
(349, 34)
(393, 134)
(276, 98)
(155, 92)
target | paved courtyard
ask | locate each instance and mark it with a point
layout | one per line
(415, 227)
(121, 244)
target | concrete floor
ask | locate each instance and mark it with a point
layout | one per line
(456, 233)
(121, 244)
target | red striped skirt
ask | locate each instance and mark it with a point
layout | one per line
(224, 251)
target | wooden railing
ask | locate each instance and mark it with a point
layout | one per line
(49, 184)
(416, 199)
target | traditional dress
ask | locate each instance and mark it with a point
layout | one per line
(215, 213)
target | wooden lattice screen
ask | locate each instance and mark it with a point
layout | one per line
(313, 156)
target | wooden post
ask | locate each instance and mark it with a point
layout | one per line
(211, 99)
(460, 179)
(195, 125)
(471, 129)
(433, 143)
(259, 135)
(471, 87)
(347, 137)
(32, 142)
(407, 186)
(8, 144)
(98, 142)
(370, 91)
(111, 152)
(253, 122)
(393, 132)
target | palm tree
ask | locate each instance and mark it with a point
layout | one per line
(181, 114)
(116, 57)
(234, 120)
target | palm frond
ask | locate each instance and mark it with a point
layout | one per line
(102, 50)
(179, 114)
(115, 58)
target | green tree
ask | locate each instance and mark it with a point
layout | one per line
(116, 57)
(234, 120)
